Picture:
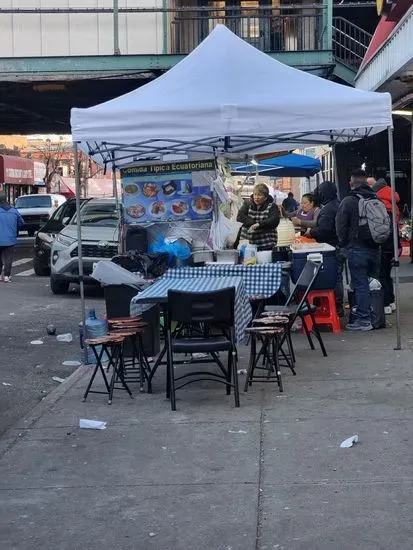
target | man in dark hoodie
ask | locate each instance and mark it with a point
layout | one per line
(325, 232)
(363, 255)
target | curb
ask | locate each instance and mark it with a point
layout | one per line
(7, 440)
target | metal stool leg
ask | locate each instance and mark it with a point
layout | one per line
(97, 367)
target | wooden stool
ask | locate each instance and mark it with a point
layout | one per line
(326, 312)
(270, 331)
(133, 329)
(112, 346)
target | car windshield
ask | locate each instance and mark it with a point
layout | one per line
(98, 213)
(34, 201)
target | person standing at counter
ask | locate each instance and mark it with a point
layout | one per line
(259, 216)
(306, 216)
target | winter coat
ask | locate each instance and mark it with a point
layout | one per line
(325, 230)
(383, 192)
(347, 219)
(267, 216)
(10, 223)
(290, 205)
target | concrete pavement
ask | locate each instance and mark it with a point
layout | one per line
(268, 475)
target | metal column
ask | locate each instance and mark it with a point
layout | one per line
(395, 239)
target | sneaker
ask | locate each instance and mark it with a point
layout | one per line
(6, 279)
(388, 310)
(358, 326)
(393, 306)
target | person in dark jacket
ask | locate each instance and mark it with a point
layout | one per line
(10, 223)
(363, 256)
(384, 193)
(325, 232)
(290, 204)
(259, 217)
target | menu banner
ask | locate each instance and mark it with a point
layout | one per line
(183, 192)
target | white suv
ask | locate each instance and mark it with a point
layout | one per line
(100, 236)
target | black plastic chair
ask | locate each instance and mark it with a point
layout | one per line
(297, 305)
(214, 312)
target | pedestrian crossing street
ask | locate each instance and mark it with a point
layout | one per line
(23, 268)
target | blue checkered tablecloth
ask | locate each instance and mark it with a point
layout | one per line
(158, 293)
(260, 281)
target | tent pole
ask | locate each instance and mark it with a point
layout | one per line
(395, 239)
(118, 211)
(79, 234)
(335, 167)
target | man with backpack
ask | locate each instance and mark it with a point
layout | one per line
(384, 193)
(362, 225)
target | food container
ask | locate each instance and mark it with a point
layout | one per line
(227, 256)
(264, 257)
(285, 232)
(317, 252)
(202, 256)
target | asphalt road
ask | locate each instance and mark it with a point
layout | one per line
(27, 307)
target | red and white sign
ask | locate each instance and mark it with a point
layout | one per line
(16, 170)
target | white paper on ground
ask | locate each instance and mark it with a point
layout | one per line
(64, 337)
(71, 363)
(92, 424)
(36, 342)
(349, 442)
(58, 379)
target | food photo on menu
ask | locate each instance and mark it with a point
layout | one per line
(165, 198)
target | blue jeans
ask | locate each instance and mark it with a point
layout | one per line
(363, 263)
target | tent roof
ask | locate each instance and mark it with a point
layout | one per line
(291, 165)
(228, 95)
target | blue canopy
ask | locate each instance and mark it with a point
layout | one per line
(290, 165)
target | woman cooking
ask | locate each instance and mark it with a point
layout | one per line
(259, 217)
(306, 216)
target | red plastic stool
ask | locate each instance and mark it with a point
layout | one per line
(326, 313)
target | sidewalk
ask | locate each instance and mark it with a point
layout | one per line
(211, 477)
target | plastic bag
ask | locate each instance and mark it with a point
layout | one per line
(224, 232)
(175, 250)
(151, 265)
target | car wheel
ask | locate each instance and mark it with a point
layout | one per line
(39, 268)
(57, 286)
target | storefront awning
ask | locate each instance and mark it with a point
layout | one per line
(16, 170)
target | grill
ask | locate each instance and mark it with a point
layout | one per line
(94, 251)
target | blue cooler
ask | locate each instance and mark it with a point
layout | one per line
(317, 252)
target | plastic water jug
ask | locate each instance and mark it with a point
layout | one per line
(95, 328)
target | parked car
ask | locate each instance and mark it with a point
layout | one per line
(47, 234)
(37, 210)
(100, 235)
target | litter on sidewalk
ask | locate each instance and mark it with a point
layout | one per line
(92, 424)
(349, 442)
(64, 337)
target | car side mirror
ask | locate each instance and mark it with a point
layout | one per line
(66, 220)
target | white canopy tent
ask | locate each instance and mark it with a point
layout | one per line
(228, 95)
(228, 98)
